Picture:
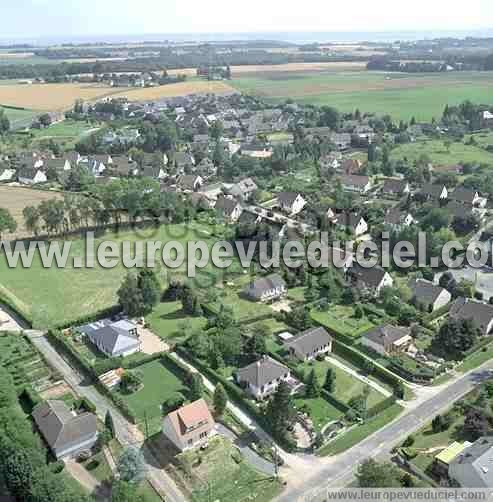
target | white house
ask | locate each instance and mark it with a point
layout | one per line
(266, 289)
(291, 202)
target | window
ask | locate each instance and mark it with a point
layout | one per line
(190, 442)
(203, 435)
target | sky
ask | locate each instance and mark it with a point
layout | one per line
(53, 18)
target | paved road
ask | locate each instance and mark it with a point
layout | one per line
(127, 433)
(338, 471)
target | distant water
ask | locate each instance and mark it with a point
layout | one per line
(292, 37)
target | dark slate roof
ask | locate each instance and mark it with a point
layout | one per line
(394, 186)
(462, 194)
(183, 159)
(432, 190)
(425, 291)
(349, 219)
(59, 426)
(354, 180)
(458, 210)
(310, 340)
(260, 286)
(187, 181)
(386, 334)
(287, 198)
(262, 372)
(478, 458)
(395, 216)
(371, 277)
(480, 313)
(226, 205)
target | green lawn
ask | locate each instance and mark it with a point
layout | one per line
(320, 411)
(361, 432)
(68, 129)
(170, 322)
(347, 386)
(340, 320)
(401, 95)
(222, 475)
(242, 308)
(19, 119)
(440, 155)
(56, 295)
(160, 382)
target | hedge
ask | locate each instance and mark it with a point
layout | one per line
(31, 396)
(381, 406)
(18, 311)
(237, 395)
(437, 313)
(103, 313)
(130, 365)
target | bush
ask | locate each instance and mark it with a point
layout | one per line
(57, 467)
(408, 442)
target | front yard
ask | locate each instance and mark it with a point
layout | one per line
(320, 411)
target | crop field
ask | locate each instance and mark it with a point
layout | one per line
(440, 154)
(15, 199)
(401, 95)
(52, 296)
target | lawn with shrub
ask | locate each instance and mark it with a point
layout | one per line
(340, 319)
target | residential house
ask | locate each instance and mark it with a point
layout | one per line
(396, 187)
(190, 426)
(262, 378)
(206, 168)
(330, 162)
(184, 161)
(266, 289)
(66, 433)
(387, 340)
(468, 197)
(256, 151)
(349, 220)
(429, 295)
(355, 183)
(28, 176)
(342, 141)
(309, 344)
(471, 468)
(372, 279)
(228, 208)
(397, 218)
(291, 202)
(113, 338)
(189, 182)
(243, 189)
(478, 312)
(434, 192)
(351, 166)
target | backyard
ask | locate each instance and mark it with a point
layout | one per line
(340, 319)
(160, 381)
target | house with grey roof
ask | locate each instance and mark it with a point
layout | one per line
(466, 196)
(478, 312)
(243, 189)
(66, 433)
(372, 279)
(355, 183)
(434, 192)
(387, 340)
(261, 378)
(431, 296)
(266, 289)
(291, 202)
(228, 208)
(189, 182)
(472, 468)
(349, 220)
(396, 187)
(28, 176)
(309, 344)
(112, 338)
(397, 218)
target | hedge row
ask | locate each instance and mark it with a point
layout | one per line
(18, 311)
(103, 313)
(381, 406)
(237, 395)
(437, 313)
(359, 360)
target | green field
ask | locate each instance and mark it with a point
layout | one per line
(56, 296)
(401, 95)
(19, 119)
(340, 319)
(441, 155)
(64, 130)
(320, 411)
(160, 383)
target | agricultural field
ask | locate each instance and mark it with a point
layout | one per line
(146, 402)
(441, 154)
(83, 291)
(16, 199)
(400, 95)
(19, 119)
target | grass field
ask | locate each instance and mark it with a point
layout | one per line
(15, 199)
(346, 385)
(59, 295)
(440, 155)
(160, 383)
(401, 95)
(222, 475)
(321, 412)
(68, 129)
(340, 319)
(19, 118)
